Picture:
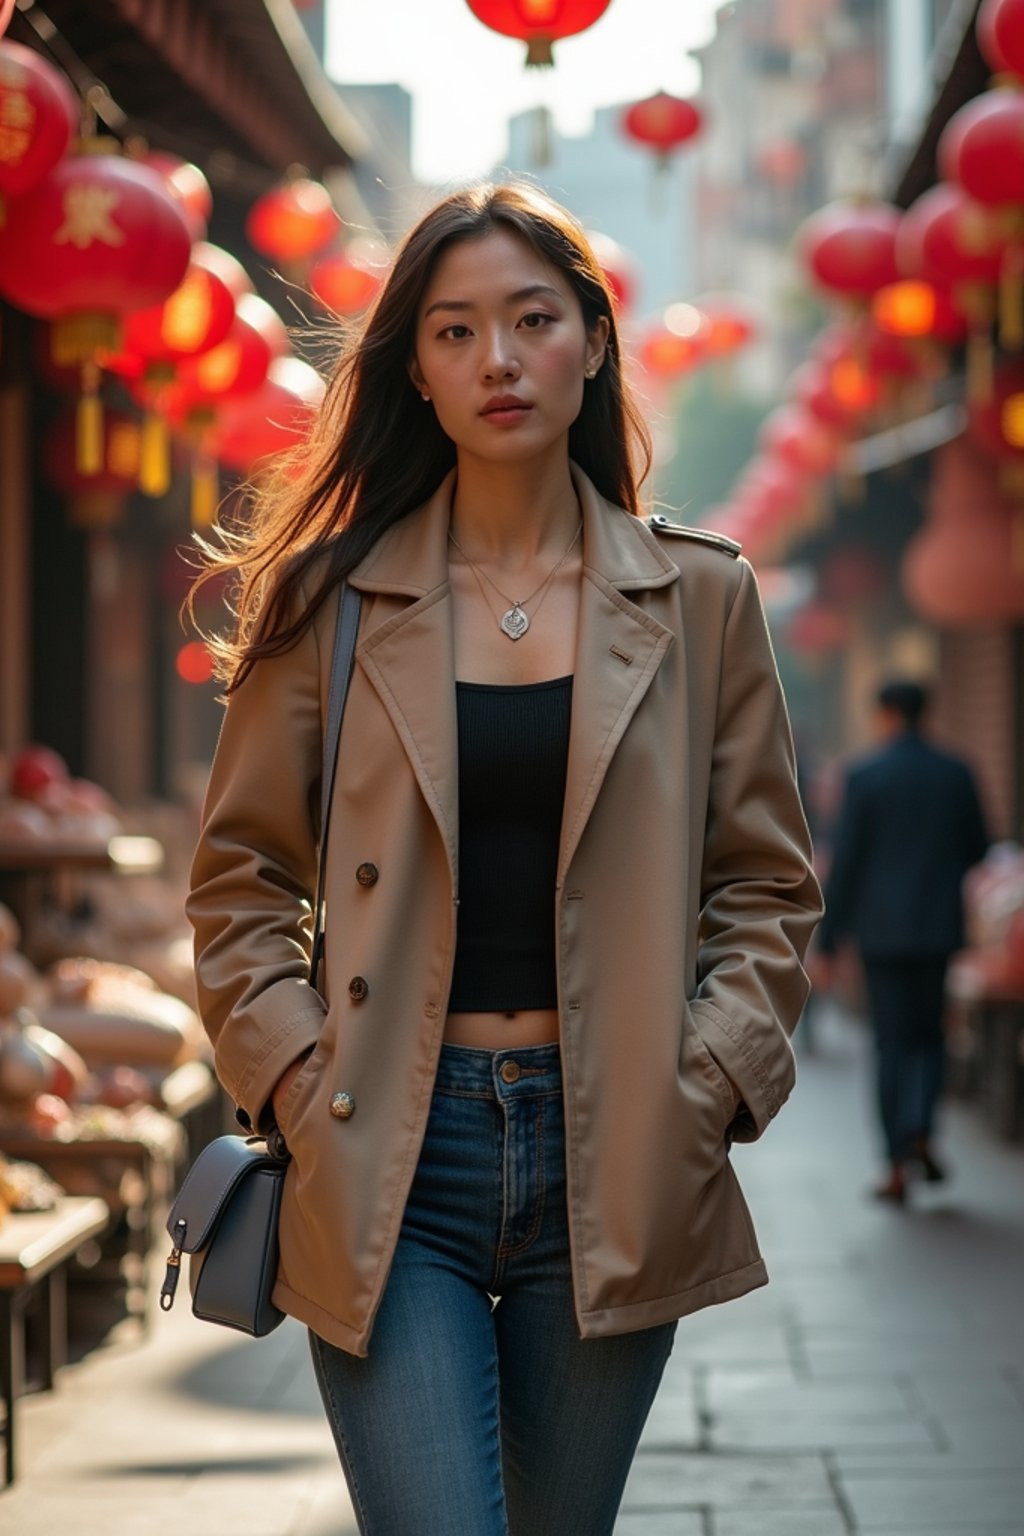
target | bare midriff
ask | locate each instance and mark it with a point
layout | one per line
(503, 1031)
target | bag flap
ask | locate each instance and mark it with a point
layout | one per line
(209, 1183)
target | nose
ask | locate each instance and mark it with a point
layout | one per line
(500, 361)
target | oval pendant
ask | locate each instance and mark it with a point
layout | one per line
(515, 623)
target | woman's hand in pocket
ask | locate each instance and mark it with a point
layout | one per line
(279, 1092)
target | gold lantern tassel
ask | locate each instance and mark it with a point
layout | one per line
(89, 424)
(1011, 300)
(979, 368)
(154, 456)
(205, 491)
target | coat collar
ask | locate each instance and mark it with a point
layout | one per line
(409, 658)
(411, 559)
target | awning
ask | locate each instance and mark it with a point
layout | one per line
(202, 78)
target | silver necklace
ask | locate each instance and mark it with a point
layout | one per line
(515, 622)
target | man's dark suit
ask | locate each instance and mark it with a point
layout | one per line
(910, 827)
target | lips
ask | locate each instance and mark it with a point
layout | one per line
(505, 403)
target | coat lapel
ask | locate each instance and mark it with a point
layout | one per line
(619, 648)
(410, 657)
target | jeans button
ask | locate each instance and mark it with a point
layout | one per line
(510, 1071)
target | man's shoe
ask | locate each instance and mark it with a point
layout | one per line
(894, 1189)
(933, 1171)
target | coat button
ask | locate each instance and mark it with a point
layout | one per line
(367, 874)
(510, 1071)
(343, 1105)
(358, 988)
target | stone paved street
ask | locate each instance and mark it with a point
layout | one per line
(875, 1387)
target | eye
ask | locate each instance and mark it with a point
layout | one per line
(450, 329)
(540, 317)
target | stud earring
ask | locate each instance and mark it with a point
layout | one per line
(424, 395)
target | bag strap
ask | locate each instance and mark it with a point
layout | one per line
(342, 663)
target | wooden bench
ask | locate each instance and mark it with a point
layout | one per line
(35, 1247)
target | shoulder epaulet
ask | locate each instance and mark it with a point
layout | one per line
(659, 523)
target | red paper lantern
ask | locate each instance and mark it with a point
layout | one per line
(982, 147)
(801, 440)
(194, 318)
(1000, 32)
(538, 23)
(38, 116)
(778, 488)
(950, 240)
(344, 286)
(850, 247)
(237, 366)
(913, 309)
(729, 325)
(197, 316)
(678, 345)
(205, 385)
(839, 393)
(997, 424)
(966, 565)
(193, 663)
(619, 269)
(293, 221)
(275, 418)
(95, 500)
(98, 237)
(863, 355)
(187, 183)
(662, 123)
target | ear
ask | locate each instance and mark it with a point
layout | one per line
(413, 370)
(597, 342)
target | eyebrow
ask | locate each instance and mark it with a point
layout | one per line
(460, 305)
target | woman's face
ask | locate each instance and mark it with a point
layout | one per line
(502, 349)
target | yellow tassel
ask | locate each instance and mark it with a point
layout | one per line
(89, 434)
(1011, 302)
(154, 456)
(979, 368)
(205, 491)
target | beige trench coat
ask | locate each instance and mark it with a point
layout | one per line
(683, 905)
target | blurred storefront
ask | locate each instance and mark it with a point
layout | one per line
(884, 503)
(91, 645)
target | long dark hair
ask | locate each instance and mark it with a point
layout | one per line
(377, 450)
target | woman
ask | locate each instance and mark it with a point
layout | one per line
(568, 892)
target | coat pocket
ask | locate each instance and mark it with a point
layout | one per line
(697, 1059)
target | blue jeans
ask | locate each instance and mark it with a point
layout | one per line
(477, 1416)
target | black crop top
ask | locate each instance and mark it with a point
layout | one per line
(513, 755)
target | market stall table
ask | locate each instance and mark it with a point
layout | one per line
(35, 1247)
(134, 1175)
(33, 874)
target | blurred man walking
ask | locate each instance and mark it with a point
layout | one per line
(909, 828)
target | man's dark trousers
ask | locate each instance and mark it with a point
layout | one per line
(905, 997)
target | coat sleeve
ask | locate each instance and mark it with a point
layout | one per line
(253, 880)
(759, 896)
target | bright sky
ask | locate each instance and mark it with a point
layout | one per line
(467, 80)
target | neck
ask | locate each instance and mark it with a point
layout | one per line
(510, 514)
